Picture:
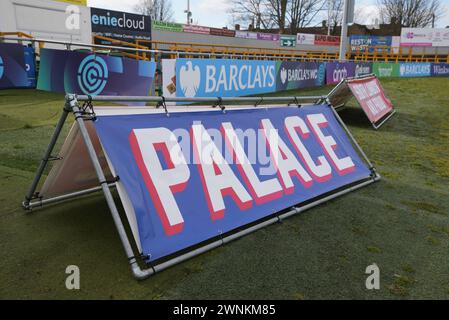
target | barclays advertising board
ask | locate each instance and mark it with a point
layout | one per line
(296, 75)
(415, 70)
(440, 70)
(224, 77)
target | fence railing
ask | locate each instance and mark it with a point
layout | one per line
(147, 50)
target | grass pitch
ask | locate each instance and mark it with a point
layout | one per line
(400, 223)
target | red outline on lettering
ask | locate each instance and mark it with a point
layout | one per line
(334, 147)
(169, 229)
(259, 200)
(162, 147)
(216, 215)
(292, 173)
(306, 136)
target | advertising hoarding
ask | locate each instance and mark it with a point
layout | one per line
(123, 26)
(425, 37)
(415, 69)
(13, 70)
(94, 74)
(297, 75)
(337, 71)
(185, 187)
(386, 70)
(224, 77)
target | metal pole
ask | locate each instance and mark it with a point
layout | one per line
(73, 102)
(199, 99)
(77, 194)
(46, 157)
(344, 32)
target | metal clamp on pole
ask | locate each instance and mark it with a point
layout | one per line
(258, 103)
(163, 104)
(295, 101)
(219, 104)
(87, 112)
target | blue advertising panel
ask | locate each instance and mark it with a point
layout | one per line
(415, 69)
(361, 43)
(13, 72)
(94, 74)
(297, 75)
(224, 77)
(30, 66)
(440, 69)
(194, 176)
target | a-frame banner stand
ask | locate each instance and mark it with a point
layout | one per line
(191, 179)
(369, 94)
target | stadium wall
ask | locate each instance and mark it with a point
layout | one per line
(44, 19)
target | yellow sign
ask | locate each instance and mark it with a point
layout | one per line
(77, 2)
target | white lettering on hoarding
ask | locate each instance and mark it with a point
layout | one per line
(162, 163)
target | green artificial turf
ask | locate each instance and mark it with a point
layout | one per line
(400, 223)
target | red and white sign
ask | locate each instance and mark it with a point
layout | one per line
(196, 29)
(371, 97)
(325, 40)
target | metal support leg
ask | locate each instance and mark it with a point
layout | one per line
(46, 157)
(137, 271)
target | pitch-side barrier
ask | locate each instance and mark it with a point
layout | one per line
(181, 192)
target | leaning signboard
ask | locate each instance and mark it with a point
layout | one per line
(123, 26)
(190, 178)
(369, 94)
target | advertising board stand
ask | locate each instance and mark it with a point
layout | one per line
(97, 154)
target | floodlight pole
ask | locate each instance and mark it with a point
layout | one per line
(344, 31)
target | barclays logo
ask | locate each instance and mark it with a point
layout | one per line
(190, 79)
(92, 75)
(283, 75)
(2, 68)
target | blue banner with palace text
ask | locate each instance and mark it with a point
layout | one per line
(194, 176)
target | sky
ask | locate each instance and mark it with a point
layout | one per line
(214, 13)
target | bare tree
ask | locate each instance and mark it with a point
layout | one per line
(335, 13)
(281, 14)
(254, 12)
(160, 10)
(411, 13)
(277, 10)
(302, 13)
